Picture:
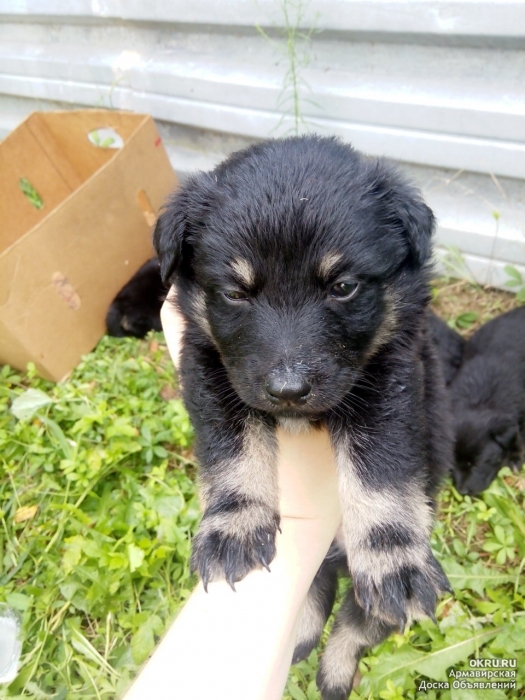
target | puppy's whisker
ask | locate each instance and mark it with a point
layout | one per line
(354, 399)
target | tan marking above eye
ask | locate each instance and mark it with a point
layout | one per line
(244, 271)
(328, 263)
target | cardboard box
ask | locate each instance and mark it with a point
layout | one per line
(76, 222)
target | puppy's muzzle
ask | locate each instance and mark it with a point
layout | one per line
(287, 389)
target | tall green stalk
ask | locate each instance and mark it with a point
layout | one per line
(296, 51)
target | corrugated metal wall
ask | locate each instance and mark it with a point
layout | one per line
(438, 86)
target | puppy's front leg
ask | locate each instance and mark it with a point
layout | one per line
(387, 520)
(236, 449)
(240, 498)
(386, 526)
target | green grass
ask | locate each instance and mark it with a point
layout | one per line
(102, 565)
(98, 503)
(481, 545)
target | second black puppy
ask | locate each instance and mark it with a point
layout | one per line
(488, 400)
(136, 308)
(449, 344)
(302, 270)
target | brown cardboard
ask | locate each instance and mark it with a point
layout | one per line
(61, 266)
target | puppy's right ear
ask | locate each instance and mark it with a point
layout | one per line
(169, 234)
(180, 221)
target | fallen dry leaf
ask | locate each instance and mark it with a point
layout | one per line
(169, 392)
(25, 513)
(520, 483)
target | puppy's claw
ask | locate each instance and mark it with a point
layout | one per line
(401, 620)
(205, 579)
(444, 584)
(411, 590)
(264, 561)
(441, 578)
(366, 604)
(218, 555)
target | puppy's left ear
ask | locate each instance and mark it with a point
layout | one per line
(409, 214)
(418, 223)
(180, 221)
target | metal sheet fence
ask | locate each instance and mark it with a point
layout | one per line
(437, 86)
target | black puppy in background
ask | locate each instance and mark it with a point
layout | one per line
(136, 308)
(302, 271)
(450, 346)
(488, 402)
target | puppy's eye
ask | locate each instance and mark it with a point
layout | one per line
(343, 290)
(235, 295)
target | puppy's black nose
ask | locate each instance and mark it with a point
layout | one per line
(288, 389)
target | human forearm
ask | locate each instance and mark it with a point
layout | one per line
(235, 646)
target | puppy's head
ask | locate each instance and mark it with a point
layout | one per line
(484, 440)
(299, 259)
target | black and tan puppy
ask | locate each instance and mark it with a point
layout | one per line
(136, 308)
(488, 400)
(302, 269)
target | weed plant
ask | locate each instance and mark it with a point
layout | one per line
(294, 47)
(97, 507)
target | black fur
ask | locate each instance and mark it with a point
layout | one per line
(488, 399)
(136, 308)
(450, 346)
(388, 536)
(302, 270)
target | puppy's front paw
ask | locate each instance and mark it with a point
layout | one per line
(231, 545)
(404, 592)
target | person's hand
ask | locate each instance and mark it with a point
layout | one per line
(238, 646)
